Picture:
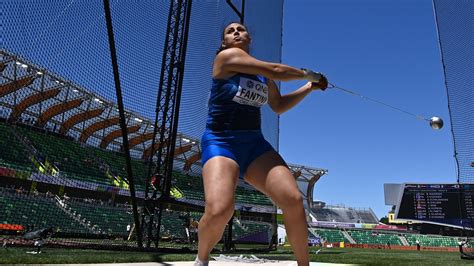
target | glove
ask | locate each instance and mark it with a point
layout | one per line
(319, 80)
(322, 84)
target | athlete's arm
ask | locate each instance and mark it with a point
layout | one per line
(235, 60)
(282, 103)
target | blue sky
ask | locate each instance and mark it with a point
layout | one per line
(383, 49)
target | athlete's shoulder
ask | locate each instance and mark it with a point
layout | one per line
(233, 50)
(231, 53)
(225, 58)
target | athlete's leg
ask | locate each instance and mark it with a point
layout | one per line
(220, 176)
(270, 174)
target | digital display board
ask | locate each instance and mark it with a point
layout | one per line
(446, 204)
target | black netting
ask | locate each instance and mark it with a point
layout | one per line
(455, 20)
(204, 40)
(62, 162)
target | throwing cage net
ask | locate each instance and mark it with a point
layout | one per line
(455, 22)
(66, 173)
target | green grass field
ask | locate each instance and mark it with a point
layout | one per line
(335, 255)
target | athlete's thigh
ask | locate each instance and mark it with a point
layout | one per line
(270, 174)
(220, 176)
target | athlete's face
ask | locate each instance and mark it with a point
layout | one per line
(236, 35)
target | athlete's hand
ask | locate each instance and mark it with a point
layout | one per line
(322, 84)
(318, 80)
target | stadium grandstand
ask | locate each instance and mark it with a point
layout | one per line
(342, 226)
(383, 238)
(343, 214)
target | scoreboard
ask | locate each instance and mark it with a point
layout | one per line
(445, 204)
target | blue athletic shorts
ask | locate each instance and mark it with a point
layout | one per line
(242, 146)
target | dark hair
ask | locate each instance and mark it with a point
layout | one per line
(222, 47)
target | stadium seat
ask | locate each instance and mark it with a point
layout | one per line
(432, 240)
(372, 237)
(330, 235)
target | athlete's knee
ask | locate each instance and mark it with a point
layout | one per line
(291, 200)
(220, 213)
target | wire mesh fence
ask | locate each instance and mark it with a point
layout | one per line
(62, 161)
(456, 31)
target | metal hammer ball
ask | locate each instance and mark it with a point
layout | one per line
(436, 122)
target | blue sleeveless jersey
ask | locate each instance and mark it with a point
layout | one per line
(234, 103)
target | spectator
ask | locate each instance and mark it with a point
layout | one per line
(461, 244)
(193, 230)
